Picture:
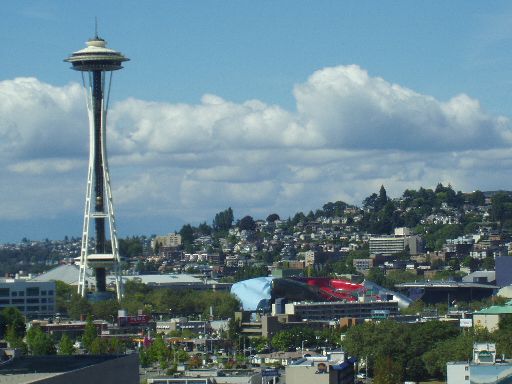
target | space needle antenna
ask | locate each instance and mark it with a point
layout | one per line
(96, 27)
(98, 62)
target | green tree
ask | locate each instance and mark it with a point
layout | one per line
(476, 198)
(387, 371)
(488, 263)
(285, 340)
(39, 343)
(383, 198)
(130, 247)
(272, 217)
(12, 317)
(97, 347)
(503, 336)
(204, 229)
(378, 276)
(247, 223)
(14, 340)
(501, 208)
(334, 209)
(105, 309)
(159, 351)
(223, 220)
(187, 234)
(233, 329)
(78, 306)
(66, 346)
(90, 334)
(63, 294)
(437, 234)
(454, 349)
(115, 346)
(144, 358)
(471, 263)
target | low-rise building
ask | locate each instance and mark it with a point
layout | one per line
(362, 265)
(333, 368)
(211, 376)
(489, 318)
(325, 311)
(279, 358)
(484, 367)
(172, 240)
(34, 299)
(390, 245)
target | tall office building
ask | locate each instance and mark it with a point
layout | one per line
(96, 63)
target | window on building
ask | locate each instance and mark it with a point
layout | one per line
(18, 301)
(21, 293)
(14, 293)
(32, 301)
(33, 291)
(43, 293)
(4, 301)
(4, 292)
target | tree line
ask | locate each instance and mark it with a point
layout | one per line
(139, 296)
(419, 352)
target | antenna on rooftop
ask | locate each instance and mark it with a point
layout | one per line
(96, 27)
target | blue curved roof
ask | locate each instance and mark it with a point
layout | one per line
(254, 293)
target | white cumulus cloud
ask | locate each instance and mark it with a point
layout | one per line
(350, 133)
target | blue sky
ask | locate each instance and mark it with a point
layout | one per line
(268, 106)
(243, 49)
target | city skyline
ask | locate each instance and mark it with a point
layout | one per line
(262, 107)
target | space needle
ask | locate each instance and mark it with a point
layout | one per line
(96, 63)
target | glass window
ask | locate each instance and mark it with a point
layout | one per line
(14, 293)
(43, 300)
(43, 293)
(18, 301)
(21, 293)
(33, 291)
(4, 292)
(4, 301)
(33, 301)
(50, 292)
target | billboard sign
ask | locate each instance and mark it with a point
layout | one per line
(466, 323)
(269, 372)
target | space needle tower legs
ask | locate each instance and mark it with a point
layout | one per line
(96, 62)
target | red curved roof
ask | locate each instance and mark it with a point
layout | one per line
(333, 289)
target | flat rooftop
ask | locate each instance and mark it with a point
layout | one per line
(445, 284)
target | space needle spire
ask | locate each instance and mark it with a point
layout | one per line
(96, 62)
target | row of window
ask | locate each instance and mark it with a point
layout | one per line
(28, 301)
(34, 291)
